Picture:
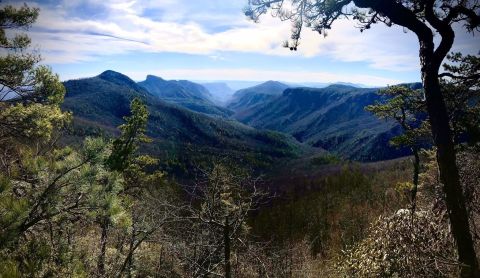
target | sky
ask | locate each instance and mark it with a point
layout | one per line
(213, 40)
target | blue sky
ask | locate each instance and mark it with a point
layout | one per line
(212, 40)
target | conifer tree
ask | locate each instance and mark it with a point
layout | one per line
(111, 211)
(405, 105)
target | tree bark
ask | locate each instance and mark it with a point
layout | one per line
(416, 172)
(103, 247)
(128, 263)
(226, 239)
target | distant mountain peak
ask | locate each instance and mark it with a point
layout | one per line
(341, 85)
(271, 83)
(120, 79)
(184, 93)
(247, 98)
(112, 74)
(270, 87)
(115, 76)
(154, 77)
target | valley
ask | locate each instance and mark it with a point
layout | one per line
(182, 137)
(258, 125)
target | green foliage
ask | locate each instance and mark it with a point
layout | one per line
(16, 66)
(327, 159)
(16, 71)
(51, 190)
(406, 106)
(462, 95)
(48, 86)
(11, 17)
(51, 196)
(132, 134)
(30, 94)
(31, 122)
(11, 210)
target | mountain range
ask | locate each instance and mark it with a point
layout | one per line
(259, 125)
(332, 118)
(184, 93)
(246, 99)
(182, 137)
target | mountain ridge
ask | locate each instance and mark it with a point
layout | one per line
(184, 93)
(183, 135)
(332, 118)
(245, 99)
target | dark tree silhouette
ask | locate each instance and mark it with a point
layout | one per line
(425, 18)
(405, 105)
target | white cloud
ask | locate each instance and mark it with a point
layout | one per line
(182, 26)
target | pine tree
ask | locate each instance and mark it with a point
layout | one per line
(405, 105)
(111, 209)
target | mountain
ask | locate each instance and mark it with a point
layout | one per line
(323, 85)
(104, 98)
(220, 92)
(246, 99)
(174, 89)
(182, 138)
(332, 118)
(184, 93)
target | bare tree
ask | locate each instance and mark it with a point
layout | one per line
(216, 220)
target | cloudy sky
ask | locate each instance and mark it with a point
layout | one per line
(212, 40)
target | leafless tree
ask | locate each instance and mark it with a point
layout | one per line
(216, 221)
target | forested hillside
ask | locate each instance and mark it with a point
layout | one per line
(184, 93)
(182, 137)
(247, 99)
(333, 118)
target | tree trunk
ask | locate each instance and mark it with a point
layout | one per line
(103, 247)
(128, 262)
(416, 172)
(446, 159)
(226, 239)
(131, 250)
